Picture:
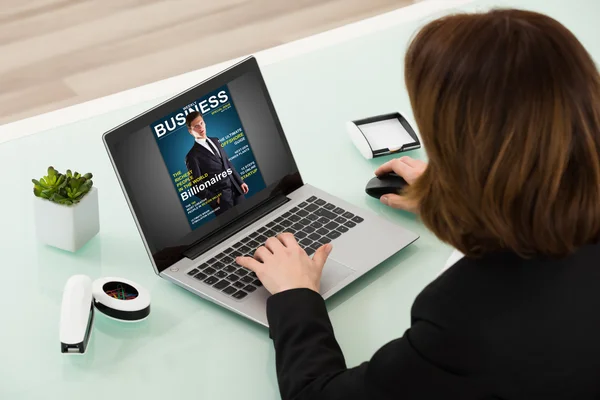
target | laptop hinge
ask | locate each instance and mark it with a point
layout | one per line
(234, 227)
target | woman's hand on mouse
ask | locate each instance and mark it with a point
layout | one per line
(281, 264)
(409, 169)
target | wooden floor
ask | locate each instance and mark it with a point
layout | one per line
(55, 53)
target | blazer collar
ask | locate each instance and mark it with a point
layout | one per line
(204, 150)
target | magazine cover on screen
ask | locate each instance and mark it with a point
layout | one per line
(208, 156)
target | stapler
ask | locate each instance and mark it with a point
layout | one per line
(77, 315)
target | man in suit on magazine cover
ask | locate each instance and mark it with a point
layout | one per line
(208, 157)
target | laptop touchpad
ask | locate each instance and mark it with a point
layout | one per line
(333, 273)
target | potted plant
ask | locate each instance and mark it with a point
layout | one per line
(66, 209)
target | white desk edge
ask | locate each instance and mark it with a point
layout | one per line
(171, 86)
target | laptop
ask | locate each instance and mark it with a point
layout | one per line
(209, 175)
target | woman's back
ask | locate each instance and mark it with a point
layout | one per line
(515, 328)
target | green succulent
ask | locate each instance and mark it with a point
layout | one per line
(66, 189)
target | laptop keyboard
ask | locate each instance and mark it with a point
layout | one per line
(314, 222)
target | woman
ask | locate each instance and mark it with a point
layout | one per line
(508, 106)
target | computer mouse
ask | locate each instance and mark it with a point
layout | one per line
(384, 184)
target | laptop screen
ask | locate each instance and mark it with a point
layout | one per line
(202, 160)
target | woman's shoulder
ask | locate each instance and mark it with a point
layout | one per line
(489, 285)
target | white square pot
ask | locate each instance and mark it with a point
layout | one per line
(67, 227)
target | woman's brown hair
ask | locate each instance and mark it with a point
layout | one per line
(508, 106)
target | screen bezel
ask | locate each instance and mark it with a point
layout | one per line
(164, 258)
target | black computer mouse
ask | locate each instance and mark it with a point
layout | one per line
(384, 184)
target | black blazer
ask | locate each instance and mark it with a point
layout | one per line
(499, 327)
(201, 161)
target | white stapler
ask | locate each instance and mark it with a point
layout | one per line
(77, 315)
